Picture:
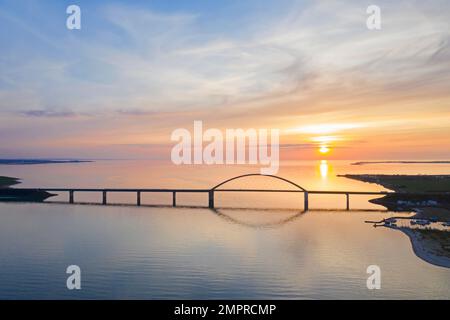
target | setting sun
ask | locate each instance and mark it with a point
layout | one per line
(324, 149)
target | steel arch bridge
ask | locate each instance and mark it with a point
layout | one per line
(260, 175)
(216, 188)
(16, 192)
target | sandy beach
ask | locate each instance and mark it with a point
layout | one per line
(427, 249)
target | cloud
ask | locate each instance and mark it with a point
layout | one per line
(306, 64)
(141, 58)
(48, 114)
(298, 146)
(135, 112)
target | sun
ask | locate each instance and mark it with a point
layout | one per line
(324, 150)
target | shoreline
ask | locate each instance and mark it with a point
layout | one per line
(6, 182)
(419, 246)
(411, 192)
(8, 194)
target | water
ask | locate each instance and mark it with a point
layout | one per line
(187, 253)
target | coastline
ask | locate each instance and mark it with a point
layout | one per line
(6, 182)
(9, 194)
(425, 249)
(411, 192)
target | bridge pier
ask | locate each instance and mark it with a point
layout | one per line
(104, 198)
(306, 205)
(138, 198)
(174, 199)
(348, 201)
(211, 199)
(71, 192)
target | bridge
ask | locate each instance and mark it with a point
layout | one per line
(216, 189)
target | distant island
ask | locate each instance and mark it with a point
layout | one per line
(37, 161)
(399, 161)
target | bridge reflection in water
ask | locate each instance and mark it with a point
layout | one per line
(257, 225)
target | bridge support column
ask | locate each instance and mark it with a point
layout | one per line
(174, 199)
(306, 206)
(348, 201)
(71, 196)
(104, 198)
(138, 198)
(211, 199)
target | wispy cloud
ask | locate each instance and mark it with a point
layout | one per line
(135, 112)
(307, 65)
(48, 114)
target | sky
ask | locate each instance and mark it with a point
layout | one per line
(137, 70)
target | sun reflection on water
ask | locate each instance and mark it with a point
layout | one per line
(324, 169)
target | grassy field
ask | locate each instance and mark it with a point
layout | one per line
(6, 182)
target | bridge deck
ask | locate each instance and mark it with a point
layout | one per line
(211, 193)
(231, 190)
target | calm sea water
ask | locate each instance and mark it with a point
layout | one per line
(160, 252)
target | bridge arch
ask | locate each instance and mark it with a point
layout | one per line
(261, 175)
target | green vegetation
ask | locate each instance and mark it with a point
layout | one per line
(437, 240)
(412, 192)
(440, 214)
(406, 183)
